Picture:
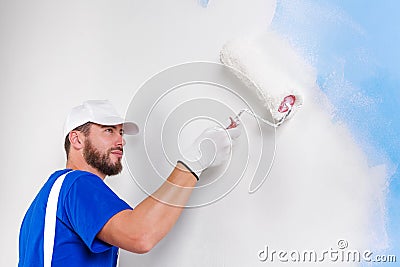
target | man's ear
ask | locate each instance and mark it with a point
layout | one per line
(76, 139)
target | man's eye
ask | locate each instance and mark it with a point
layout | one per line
(110, 130)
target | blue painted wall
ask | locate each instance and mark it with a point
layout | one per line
(354, 46)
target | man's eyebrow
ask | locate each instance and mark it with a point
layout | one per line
(108, 126)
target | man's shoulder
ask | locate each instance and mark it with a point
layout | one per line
(80, 173)
(81, 185)
(79, 176)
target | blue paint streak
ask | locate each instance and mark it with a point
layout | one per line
(354, 46)
(203, 3)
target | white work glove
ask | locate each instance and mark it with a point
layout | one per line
(210, 149)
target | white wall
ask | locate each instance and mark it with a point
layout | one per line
(55, 54)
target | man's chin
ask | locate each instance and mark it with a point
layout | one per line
(116, 172)
(110, 169)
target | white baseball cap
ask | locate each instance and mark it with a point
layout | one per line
(97, 111)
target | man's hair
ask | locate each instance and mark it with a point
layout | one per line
(84, 128)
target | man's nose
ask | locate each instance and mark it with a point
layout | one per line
(121, 140)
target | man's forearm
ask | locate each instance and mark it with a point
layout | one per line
(140, 229)
(162, 209)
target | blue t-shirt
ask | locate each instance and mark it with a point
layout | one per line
(85, 204)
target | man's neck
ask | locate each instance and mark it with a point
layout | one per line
(83, 166)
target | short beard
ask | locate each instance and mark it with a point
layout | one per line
(99, 161)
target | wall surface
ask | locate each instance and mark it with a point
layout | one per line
(56, 54)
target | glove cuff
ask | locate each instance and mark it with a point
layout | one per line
(195, 174)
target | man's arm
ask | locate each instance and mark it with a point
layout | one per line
(140, 229)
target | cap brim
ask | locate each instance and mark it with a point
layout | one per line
(130, 128)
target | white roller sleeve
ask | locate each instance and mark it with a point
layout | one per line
(269, 66)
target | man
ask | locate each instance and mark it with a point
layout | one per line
(91, 221)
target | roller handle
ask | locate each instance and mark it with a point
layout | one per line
(234, 122)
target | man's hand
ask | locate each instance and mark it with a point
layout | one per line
(210, 149)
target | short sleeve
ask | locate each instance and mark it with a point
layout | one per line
(89, 204)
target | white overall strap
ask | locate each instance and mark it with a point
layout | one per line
(118, 257)
(50, 221)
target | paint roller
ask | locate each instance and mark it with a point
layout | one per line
(281, 103)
